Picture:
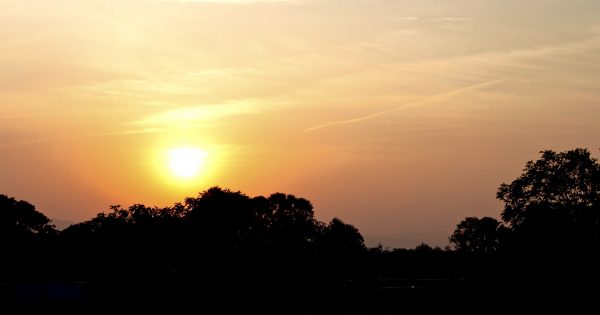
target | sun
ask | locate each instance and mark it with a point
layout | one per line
(186, 162)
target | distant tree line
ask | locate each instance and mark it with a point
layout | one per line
(225, 250)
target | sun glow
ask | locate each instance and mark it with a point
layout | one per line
(186, 163)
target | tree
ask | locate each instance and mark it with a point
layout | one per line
(26, 240)
(569, 180)
(220, 211)
(292, 222)
(342, 240)
(554, 206)
(478, 236)
(20, 219)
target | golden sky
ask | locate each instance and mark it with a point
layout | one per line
(400, 117)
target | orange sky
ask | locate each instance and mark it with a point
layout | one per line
(400, 117)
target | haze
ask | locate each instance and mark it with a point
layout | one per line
(400, 117)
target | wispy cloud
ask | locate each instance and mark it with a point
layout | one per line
(575, 47)
(408, 18)
(450, 19)
(435, 19)
(191, 115)
(425, 101)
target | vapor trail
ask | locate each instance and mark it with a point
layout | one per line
(422, 102)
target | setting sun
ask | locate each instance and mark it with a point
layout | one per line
(186, 162)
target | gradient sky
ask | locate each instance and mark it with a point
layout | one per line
(400, 117)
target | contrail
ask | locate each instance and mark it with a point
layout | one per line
(422, 102)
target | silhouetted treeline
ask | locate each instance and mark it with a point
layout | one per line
(224, 252)
(546, 250)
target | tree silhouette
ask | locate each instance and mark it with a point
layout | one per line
(342, 247)
(292, 225)
(342, 239)
(555, 204)
(19, 219)
(221, 212)
(569, 180)
(478, 236)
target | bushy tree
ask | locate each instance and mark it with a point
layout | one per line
(567, 180)
(478, 236)
(19, 219)
(554, 205)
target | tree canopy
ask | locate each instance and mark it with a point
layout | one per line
(569, 180)
(479, 236)
(19, 219)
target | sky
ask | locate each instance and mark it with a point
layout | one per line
(399, 117)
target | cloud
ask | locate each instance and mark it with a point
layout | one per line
(575, 47)
(408, 18)
(422, 102)
(448, 19)
(192, 115)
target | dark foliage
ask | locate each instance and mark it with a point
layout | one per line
(478, 236)
(224, 252)
(549, 252)
(20, 220)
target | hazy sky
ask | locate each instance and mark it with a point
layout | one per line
(400, 117)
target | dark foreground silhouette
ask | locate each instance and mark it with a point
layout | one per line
(224, 252)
